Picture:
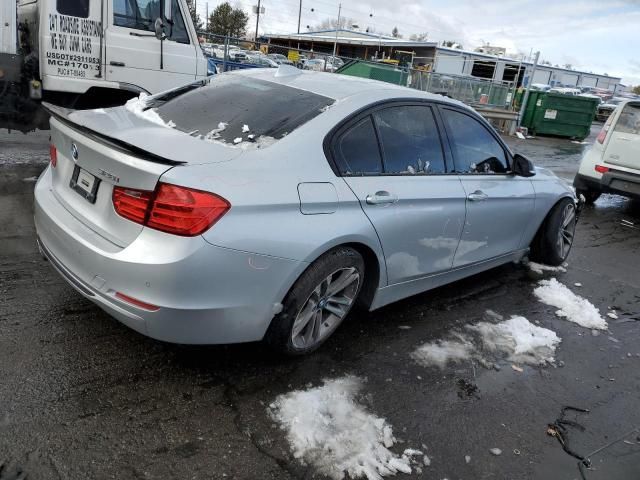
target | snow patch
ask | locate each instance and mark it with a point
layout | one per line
(440, 354)
(540, 268)
(237, 140)
(138, 106)
(516, 339)
(215, 133)
(328, 429)
(245, 128)
(522, 341)
(570, 306)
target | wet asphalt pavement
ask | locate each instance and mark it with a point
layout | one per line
(83, 397)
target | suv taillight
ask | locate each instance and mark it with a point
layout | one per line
(53, 155)
(602, 136)
(171, 208)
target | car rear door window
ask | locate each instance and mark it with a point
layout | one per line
(410, 140)
(629, 120)
(356, 151)
(73, 8)
(475, 149)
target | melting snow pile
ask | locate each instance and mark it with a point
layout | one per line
(138, 106)
(517, 339)
(540, 268)
(327, 428)
(522, 341)
(571, 306)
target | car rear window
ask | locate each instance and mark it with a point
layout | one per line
(235, 109)
(629, 121)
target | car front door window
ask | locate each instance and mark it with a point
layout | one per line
(475, 149)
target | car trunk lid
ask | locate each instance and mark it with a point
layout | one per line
(94, 158)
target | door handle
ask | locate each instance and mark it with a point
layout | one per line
(477, 196)
(381, 197)
(116, 64)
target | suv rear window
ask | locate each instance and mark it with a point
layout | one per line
(629, 121)
(234, 109)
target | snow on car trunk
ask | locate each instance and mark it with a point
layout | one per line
(328, 429)
(570, 306)
(515, 339)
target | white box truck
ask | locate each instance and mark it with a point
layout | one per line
(91, 53)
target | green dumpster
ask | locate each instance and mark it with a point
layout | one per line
(375, 71)
(558, 114)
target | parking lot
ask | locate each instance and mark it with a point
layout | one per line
(82, 396)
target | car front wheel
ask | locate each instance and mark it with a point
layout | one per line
(553, 241)
(318, 302)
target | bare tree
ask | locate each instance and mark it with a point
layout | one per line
(419, 37)
(332, 24)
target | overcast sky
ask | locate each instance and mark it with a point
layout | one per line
(592, 35)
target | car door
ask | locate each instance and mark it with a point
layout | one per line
(392, 158)
(133, 53)
(623, 148)
(499, 205)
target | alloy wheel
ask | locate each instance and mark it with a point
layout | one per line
(325, 308)
(566, 230)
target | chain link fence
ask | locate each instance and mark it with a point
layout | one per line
(227, 53)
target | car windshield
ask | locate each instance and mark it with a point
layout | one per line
(232, 109)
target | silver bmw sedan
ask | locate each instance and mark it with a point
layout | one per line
(265, 204)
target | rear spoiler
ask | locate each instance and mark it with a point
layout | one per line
(62, 114)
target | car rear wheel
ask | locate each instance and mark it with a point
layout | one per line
(553, 241)
(318, 302)
(590, 196)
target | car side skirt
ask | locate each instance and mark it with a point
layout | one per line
(393, 293)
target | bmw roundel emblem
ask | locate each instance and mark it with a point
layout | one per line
(74, 151)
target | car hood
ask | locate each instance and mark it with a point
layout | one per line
(142, 131)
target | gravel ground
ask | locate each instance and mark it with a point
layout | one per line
(82, 396)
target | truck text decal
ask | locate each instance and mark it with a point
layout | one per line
(72, 50)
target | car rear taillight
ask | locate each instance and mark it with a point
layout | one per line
(602, 169)
(53, 155)
(171, 208)
(131, 204)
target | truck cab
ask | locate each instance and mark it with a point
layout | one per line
(99, 53)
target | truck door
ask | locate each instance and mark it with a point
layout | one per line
(133, 54)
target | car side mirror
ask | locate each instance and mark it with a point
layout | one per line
(159, 29)
(522, 166)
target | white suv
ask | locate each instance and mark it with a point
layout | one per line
(612, 165)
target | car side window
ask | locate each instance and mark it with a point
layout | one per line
(356, 151)
(475, 150)
(410, 140)
(629, 120)
(142, 15)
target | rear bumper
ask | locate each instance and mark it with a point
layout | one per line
(614, 181)
(205, 294)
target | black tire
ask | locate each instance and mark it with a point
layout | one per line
(554, 239)
(590, 196)
(336, 262)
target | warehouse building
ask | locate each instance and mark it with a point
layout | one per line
(457, 62)
(443, 60)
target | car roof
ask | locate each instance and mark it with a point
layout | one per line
(338, 87)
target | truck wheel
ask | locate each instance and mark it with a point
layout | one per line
(317, 303)
(554, 239)
(590, 196)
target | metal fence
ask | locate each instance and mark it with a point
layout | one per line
(227, 53)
